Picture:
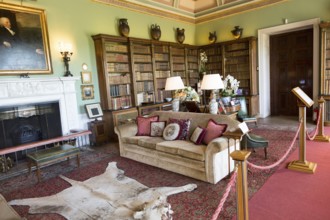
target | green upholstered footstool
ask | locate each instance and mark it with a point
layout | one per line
(254, 141)
(50, 155)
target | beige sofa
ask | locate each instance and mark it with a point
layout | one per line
(207, 163)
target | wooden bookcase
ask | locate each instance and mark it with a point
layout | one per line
(192, 67)
(325, 69)
(239, 59)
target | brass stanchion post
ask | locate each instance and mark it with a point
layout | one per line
(242, 197)
(320, 136)
(302, 164)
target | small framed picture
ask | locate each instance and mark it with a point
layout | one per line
(87, 92)
(86, 77)
(94, 110)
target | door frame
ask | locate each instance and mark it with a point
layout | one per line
(264, 59)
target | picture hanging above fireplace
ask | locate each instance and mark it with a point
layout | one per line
(24, 46)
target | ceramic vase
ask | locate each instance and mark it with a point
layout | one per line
(123, 27)
(175, 105)
(213, 106)
(155, 32)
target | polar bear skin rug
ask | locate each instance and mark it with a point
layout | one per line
(110, 195)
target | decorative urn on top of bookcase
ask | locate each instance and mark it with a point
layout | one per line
(155, 32)
(123, 27)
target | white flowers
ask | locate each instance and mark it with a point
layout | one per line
(186, 94)
(230, 86)
(203, 61)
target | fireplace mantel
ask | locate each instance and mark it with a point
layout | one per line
(26, 91)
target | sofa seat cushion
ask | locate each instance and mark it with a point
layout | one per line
(134, 139)
(150, 142)
(183, 148)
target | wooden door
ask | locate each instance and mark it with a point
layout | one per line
(291, 65)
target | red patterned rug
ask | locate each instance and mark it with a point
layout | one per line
(199, 204)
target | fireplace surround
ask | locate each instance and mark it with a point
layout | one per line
(34, 91)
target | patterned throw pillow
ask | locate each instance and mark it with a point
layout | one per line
(184, 127)
(157, 128)
(198, 135)
(213, 130)
(171, 132)
(143, 124)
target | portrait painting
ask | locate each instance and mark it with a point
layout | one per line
(24, 46)
(87, 92)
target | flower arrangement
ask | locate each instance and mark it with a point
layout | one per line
(187, 94)
(230, 86)
(203, 61)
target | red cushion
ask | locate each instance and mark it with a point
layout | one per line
(213, 130)
(184, 127)
(143, 124)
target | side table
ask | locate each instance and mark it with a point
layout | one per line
(99, 132)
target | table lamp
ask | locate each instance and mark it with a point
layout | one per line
(174, 83)
(212, 82)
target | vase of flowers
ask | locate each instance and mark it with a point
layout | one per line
(202, 64)
(231, 86)
(186, 94)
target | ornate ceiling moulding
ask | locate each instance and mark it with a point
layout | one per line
(147, 10)
(236, 10)
(203, 12)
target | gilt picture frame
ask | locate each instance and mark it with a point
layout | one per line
(86, 77)
(24, 44)
(87, 92)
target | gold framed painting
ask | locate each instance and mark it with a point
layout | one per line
(86, 77)
(87, 92)
(24, 44)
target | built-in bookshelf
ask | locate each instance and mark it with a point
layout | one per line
(192, 66)
(162, 69)
(142, 65)
(325, 69)
(178, 62)
(214, 58)
(115, 76)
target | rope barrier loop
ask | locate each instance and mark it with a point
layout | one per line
(225, 195)
(315, 130)
(281, 159)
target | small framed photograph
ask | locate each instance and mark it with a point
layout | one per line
(86, 77)
(94, 110)
(87, 92)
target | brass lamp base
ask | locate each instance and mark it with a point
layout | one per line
(302, 166)
(322, 138)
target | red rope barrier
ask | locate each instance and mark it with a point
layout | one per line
(315, 129)
(280, 160)
(225, 195)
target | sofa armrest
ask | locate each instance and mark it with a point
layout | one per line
(126, 130)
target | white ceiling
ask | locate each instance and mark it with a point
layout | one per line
(192, 11)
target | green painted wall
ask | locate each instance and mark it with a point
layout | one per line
(75, 21)
(293, 10)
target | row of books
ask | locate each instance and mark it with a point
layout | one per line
(236, 60)
(120, 102)
(327, 43)
(162, 94)
(237, 46)
(146, 86)
(161, 49)
(143, 67)
(192, 52)
(182, 74)
(144, 97)
(193, 74)
(120, 90)
(327, 64)
(192, 59)
(177, 51)
(178, 59)
(117, 67)
(238, 53)
(117, 57)
(327, 86)
(179, 67)
(215, 58)
(213, 51)
(213, 66)
(119, 78)
(141, 49)
(192, 66)
(237, 67)
(116, 48)
(162, 66)
(161, 56)
(144, 76)
(142, 58)
(163, 74)
(193, 81)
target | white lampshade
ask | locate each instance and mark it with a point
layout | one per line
(212, 81)
(174, 83)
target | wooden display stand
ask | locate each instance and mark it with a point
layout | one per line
(99, 133)
(302, 165)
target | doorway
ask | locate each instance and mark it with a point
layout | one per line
(291, 65)
(264, 59)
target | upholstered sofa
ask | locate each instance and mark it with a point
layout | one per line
(207, 163)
